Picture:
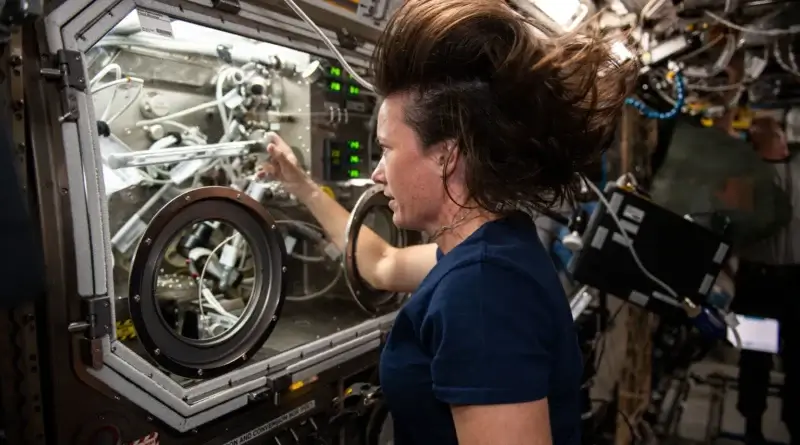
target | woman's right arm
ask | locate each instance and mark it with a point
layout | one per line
(382, 265)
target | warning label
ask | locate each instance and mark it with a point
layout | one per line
(155, 23)
(273, 424)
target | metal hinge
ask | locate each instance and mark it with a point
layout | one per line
(69, 73)
(96, 324)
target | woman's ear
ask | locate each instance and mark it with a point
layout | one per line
(446, 157)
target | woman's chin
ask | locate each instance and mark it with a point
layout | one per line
(397, 220)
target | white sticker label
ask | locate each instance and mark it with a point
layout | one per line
(633, 213)
(638, 298)
(629, 227)
(599, 238)
(665, 298)
(155, 23)
(273, 424)
(620, 239)
(616, 201)
(721, 252)
(705, 286)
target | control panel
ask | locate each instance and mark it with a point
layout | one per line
(347, 150)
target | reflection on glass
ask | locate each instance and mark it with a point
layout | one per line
(205, 280)
(379, 219)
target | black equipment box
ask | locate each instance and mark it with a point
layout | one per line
(684, 255)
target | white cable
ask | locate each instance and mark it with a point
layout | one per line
(776, 52)
(103, 72)
(629, 242)
(794, 29)
(319, 293)
(188, 111)
(114, 83)
(330, 45)
(124, 107)
(200, 283)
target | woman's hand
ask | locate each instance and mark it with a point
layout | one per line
(282, 165)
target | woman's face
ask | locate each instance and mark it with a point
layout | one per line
(412, 175)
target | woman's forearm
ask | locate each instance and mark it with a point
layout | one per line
(333, 218)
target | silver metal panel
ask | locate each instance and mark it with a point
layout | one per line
(358, 23)
(58, 18)
(78, 25)
(270, 19)
(183, 408)
(78, 209)
(176, 404)
(300, 372)
(91, 25)
(97, 209)
(352, 338)
(157, 409)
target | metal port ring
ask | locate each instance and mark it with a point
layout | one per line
(373, 301)
(211, 358)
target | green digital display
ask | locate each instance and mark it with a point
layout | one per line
(335, 86)
(354, 145)
(354, 90)
(354, 173)
(354, 159)
(335, 71)
(336, 153)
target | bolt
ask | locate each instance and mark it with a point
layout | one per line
(199, 372)
(157, 352)
(148, 241)
(283, 269)
(187, 197)
(274, 318)
(15, 60)
(136, 298)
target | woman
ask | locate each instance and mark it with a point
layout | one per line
(479, 118)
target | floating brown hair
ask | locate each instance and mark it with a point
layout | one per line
(527, 113)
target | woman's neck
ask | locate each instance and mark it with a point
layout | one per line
(457, 224)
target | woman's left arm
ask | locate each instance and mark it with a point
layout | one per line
(511, 424)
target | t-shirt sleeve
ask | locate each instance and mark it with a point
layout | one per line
(491, 332)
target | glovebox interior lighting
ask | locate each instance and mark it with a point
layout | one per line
(566, 13)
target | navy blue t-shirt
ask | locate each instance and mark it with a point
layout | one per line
(490, 324)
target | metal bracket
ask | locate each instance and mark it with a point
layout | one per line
(98, 315)
(231, 6)
(96, 325)
(347, 40)
(374, 9)
(68, 72)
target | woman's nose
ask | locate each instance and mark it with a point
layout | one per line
(379, 174)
